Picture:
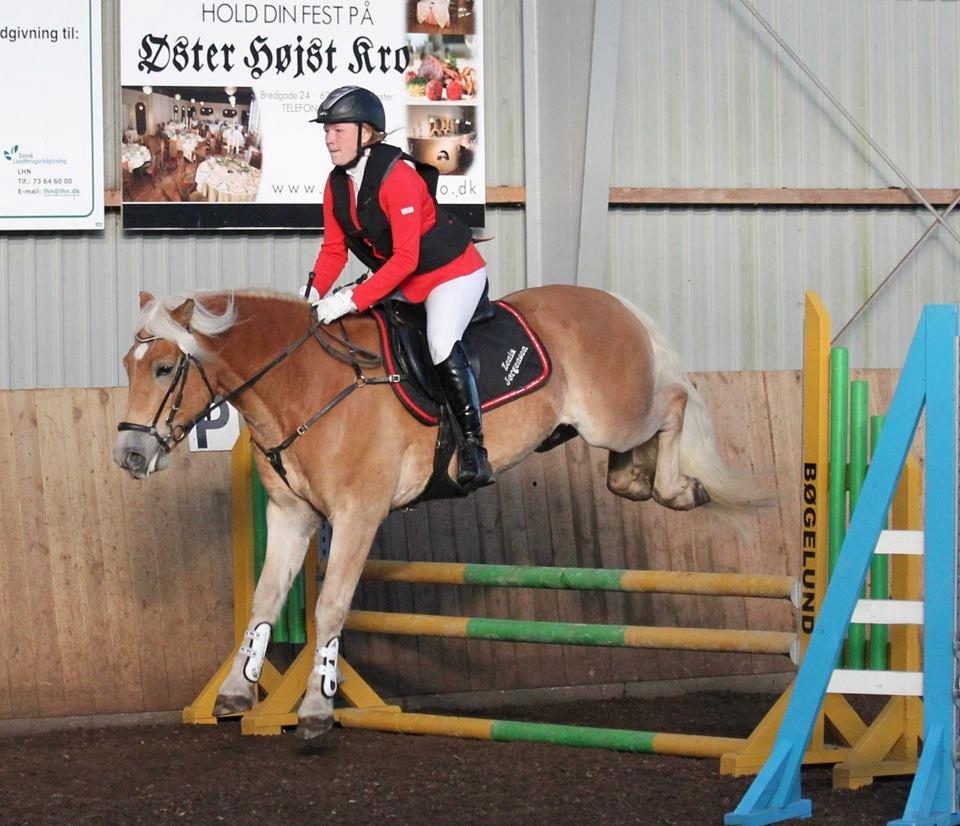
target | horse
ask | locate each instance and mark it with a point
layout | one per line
(347, 450)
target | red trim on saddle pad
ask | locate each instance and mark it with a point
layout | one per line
(530, 386)
(427, 418)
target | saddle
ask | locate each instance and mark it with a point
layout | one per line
(507, 357)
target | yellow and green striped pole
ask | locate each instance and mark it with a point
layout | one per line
(646, 742)
(572, 633)
(582, 579)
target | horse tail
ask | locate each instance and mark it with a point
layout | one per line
(729, 489)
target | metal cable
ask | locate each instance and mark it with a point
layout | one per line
(896, 269)
(853, 122)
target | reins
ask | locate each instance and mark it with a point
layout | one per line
(357, 357)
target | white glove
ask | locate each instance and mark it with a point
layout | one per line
(313, 298)
(335, 305)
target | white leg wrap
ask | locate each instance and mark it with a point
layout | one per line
(256, 649)
(328, 668)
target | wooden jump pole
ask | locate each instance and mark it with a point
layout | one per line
(582, 579)
(570, 633)
(645, 742)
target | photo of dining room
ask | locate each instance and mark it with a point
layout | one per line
(199, 144)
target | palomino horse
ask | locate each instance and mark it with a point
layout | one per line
(614, 381)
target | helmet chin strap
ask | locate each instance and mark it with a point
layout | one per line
(360, 148)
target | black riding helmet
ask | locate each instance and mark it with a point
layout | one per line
(352, 104)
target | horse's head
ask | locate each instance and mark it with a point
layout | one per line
(171, 383)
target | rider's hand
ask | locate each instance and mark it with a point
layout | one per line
(313, 298)
(335, 305)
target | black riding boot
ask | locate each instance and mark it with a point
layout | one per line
(459, 387)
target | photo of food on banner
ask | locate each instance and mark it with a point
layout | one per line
(441, 68)
(441, 17)
(190, 143)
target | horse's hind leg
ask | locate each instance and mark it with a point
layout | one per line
(652, 469)
(630, 474)
(671, 488)
(288, 534)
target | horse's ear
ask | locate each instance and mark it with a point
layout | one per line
(145, 298)
(183, 313)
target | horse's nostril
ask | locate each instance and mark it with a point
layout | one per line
(135, 461)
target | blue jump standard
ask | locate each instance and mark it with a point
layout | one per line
(929, 378)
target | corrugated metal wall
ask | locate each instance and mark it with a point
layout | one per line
(710, 100)
(705, 99)
(727, 285)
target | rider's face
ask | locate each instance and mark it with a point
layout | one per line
(341, 141)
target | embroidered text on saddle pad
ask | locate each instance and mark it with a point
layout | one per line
(513, 363)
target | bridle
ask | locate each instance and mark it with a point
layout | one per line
(339, 347)
(176, 433)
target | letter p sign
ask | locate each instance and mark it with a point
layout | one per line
(218, 431)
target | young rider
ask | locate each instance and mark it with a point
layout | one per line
(378, 206)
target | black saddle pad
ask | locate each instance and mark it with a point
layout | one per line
(507, 356)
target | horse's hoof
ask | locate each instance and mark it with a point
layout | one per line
(693, 495)
(309, 728)
(634, 490)
(632, 481)
(227, 704)
(700, 495)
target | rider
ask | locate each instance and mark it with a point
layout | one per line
(418, 252)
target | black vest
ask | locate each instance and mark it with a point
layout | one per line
(444, 241)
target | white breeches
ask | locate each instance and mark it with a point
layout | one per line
(450, 307)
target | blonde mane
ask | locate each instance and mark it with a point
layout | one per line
(155, 320)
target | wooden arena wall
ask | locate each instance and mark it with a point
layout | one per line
(115, 595)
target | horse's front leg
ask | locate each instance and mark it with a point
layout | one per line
(290, 525)
(352, 537)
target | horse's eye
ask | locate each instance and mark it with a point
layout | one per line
(162, 370)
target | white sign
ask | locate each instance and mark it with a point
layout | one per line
(219, 431)
(51, 127)
(237, 84)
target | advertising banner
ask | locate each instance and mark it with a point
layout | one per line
(217, 100)
(51, 128)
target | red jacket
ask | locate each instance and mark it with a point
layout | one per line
(410, 210)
